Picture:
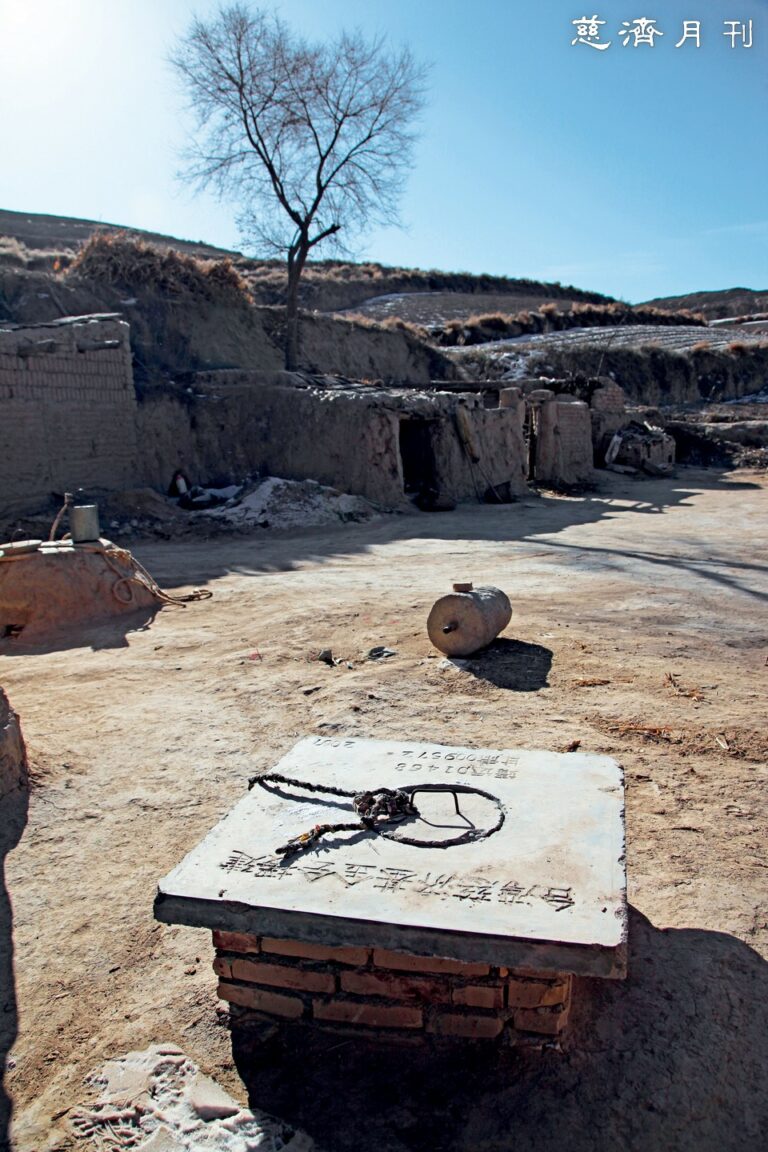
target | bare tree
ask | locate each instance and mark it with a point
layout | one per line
(309, 139)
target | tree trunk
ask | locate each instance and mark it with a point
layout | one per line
(292, 324)
(296, 262)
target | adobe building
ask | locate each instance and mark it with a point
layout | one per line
(72, 418)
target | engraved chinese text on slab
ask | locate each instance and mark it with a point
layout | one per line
(554, 873)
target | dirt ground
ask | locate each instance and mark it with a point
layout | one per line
(638, 630)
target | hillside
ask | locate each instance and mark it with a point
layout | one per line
(717, 305)
(193, 307)
(188, 314)
(332, 285)
(66, 234)
(38, 242)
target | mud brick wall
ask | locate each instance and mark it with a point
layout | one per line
(71, 418)
(234, 422)
(608, 397)
(608, 414)
(375, 990)
(67, 410)
(480, 449)
(564, 443)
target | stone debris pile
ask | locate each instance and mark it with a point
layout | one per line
(279, 503)
(641, 447)
(158, 1100)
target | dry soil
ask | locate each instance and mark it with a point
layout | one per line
(638, 630)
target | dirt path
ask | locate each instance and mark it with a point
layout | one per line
(638, 630)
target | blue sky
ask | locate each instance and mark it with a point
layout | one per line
(636, 171)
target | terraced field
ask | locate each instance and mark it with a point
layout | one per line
(434, 309)
(513, 355)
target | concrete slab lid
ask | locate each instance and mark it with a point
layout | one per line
(546, 891)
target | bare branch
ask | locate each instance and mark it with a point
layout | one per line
(308, 139)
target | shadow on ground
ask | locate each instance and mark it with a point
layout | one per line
(672, 1059)
(534, 517)
(13, 819)
(513, 664)
(99, 635)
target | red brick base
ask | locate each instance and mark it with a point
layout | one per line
(393, 991)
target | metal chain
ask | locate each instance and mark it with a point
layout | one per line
(377, 807)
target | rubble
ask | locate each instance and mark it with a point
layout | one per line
(639, 447)
(731, 434)
(278, 503)
(381, 653)
(158, 1100)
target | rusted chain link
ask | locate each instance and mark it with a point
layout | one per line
(378, 807)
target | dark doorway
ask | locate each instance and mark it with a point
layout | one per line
(530, 430)
(418, 456)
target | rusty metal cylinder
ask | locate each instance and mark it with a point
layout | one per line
(468, 619)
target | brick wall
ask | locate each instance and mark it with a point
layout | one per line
(564, 443)
(235, 422)
(608, 397)
(67, 410)
(608, 414)
(393, 992)
(70, 418)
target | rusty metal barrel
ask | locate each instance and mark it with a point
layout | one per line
(468, 619)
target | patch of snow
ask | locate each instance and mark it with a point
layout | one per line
(672, 337)
(279, 503)
(226, 493)
(760, 397)
(519, 369)
(158, 1100)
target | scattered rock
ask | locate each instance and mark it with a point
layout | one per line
(162, 1140)
(175, 1108)
(456, 662)
(381, 653)
(209, 1101)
